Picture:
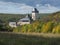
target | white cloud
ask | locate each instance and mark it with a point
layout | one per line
(47, 8)
(10, 7)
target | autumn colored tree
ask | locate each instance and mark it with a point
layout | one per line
(56, 29)
(47, 27)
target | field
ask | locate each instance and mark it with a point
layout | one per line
(29, 39)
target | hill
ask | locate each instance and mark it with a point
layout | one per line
(10, 17)
(14, 17)
(52, 17)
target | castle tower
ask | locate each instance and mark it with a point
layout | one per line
(35, 13)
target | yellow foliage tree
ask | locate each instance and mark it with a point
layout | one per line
(36, 26)
(47, 27)
(56, 29)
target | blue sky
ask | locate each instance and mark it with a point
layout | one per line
(26, 6)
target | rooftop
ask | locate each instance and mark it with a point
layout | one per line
(35, 10)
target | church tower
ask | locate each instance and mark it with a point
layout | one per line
(35, 13)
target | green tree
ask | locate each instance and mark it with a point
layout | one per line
(17, 29)
(24, 28)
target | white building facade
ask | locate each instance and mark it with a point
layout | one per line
(12, 24)
(35, 14)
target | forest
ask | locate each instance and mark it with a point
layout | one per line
(48, 23)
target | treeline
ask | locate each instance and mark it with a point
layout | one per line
(52, 17)
(5, 18)
(39, 27)
(5, 28)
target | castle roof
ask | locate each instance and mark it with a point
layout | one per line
(35, 10)
(27, 18)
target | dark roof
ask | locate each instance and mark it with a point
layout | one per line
(35, 11)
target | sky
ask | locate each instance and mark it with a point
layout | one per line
(26, 6)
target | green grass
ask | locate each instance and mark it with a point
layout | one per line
(24, 39)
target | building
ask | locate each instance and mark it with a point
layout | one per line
(12, 24)
(26, 20)
(35, 14)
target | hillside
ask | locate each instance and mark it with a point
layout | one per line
(52, 17)
(14, 17)
(10, 17)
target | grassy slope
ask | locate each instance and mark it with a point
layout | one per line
(24, 39)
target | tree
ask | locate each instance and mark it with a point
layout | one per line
(17, 29)
(24, 28)
(56, 29)
(47, 27)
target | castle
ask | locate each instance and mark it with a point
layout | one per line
(26, 20)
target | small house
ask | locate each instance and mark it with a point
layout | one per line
(12, 24)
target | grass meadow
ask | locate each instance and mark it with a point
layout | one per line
(29, 39)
